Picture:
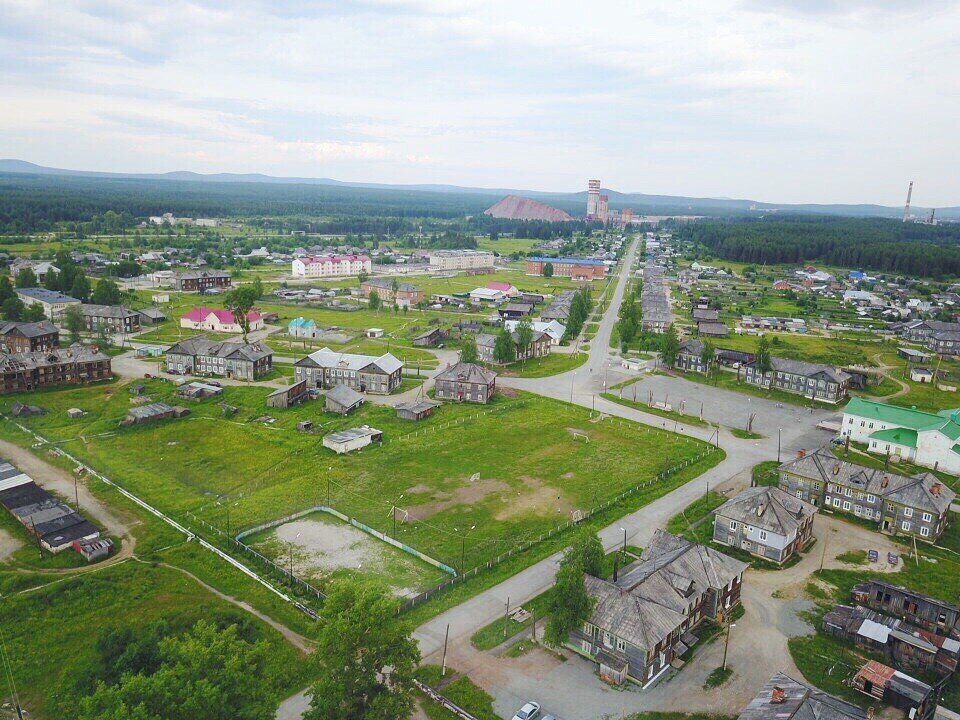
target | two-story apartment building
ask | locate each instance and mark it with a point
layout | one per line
(111, 318)
(321, 266)
(766, 522)
(202, 280)
(928, 439)
(231, 358)
(56, 366)
(898, 504)
(392, 291)
(466, 382)
(19, 337)
(448, 260)
(366, 373)
(812, 380)
(54, 303)
(690, 356)
(639, 622)
(539, 346)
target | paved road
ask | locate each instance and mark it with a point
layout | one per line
(583, 386)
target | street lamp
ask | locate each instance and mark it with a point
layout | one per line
(463, 546)
(290, 549)
(779, 430)
(395, 515)
(624, 538)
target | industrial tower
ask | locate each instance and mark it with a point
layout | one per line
(906, 208)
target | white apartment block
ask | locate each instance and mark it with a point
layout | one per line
(461, 259)
(323, 266)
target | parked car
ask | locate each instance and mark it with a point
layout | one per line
(529, 711)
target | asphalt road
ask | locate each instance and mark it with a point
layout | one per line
(583, 386)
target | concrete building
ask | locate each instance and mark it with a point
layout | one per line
(54, 303)
(219, 320)
(366, 373)
(593, 198)
(452, 260)
(914, 506)
(392, 291)
(574, 268)
(928, 439)
(323, 266)
(766, 522)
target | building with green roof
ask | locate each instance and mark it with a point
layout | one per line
(923, 438)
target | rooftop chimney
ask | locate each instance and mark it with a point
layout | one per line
(870, 713)
(935, 489)
(778, 697)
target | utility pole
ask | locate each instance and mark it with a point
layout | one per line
(726, 644)
(443, 663)
(506, 617)
(779, 430)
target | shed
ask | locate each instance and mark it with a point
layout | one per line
(199, 390)
(287, 396)
(149, 413)
(93, 550)
(75, 413)
(374, 332)
(352, 439)
(304, 426)
(428, 338)
(416, 410)
(921, 374)
(342, 399)
(149, 351)
(916, 356)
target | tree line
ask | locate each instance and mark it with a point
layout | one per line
(870, 243)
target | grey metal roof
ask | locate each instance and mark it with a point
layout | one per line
(327, 358)
(34, 329)
(467, 373)
(344, 395)
(145, 412)
(21, 362)
(799, 701)
(356, 433)
(923, 491)
(227, 349)
(47, 296)
(768, 508)
(110, 311)
(807, 369)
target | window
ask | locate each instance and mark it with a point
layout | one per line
(925, 531)
(871, 498)
(763, 534)
(607, 639)
(846, 504)
(836, 502)
(908, 512)
(800, 494)
(905, 526)
(927, 517)
(848, 492)
(621, 645)
(587, 629)
(733, 524)
(816, 486)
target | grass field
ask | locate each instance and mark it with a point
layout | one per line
(552, 364)
(50, 633)
(536, 461)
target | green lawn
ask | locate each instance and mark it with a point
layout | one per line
(765, 473)
(50, 634)
(668, 414)
(269, 471)
(552, 364)
(695, 521)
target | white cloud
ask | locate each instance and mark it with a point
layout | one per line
(819, 100)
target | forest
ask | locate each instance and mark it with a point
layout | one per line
(870, 243)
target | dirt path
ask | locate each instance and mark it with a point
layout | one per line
(904, 388)
(301, 642)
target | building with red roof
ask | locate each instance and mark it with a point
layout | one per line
(218, 320)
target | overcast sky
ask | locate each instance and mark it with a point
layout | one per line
(775, 100)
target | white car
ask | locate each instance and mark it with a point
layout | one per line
(529, 711)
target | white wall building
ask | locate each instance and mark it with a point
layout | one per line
(330, 266)
(461, 259)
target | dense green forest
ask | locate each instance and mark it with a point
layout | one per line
(870, 243)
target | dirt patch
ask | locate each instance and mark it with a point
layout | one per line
(469, 494)
(576, 432)
(543, 501)
(8, 545)
(507, 392)
(418, 489)
(568, 476)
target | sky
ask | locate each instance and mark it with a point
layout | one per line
(772, 100)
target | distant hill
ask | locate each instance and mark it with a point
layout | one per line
(514, 207)
(467, 198)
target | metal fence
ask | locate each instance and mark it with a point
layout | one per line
(553, 532)
(438, 698)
